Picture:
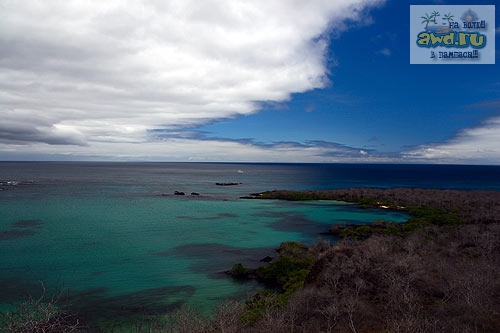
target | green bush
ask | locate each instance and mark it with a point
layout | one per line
(427, 215)
(290, 270)
(238, 270)
(367, 202)
(261, 302)
(359, 232)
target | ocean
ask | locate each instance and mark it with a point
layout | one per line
(118, 240)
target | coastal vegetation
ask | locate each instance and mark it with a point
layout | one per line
(475, 206)
(438, 272)
(284, 276)
(42, 314)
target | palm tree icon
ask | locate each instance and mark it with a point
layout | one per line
(435, 15)
(427, 20)
(448, 17)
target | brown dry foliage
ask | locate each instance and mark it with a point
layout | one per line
(438, 280)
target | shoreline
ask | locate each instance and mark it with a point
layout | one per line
(425, 207)
(474, 206)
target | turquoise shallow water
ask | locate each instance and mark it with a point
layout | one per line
(120, 242)
(176, 248)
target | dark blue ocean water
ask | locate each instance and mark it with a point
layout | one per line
(116, 236)
(255, 177)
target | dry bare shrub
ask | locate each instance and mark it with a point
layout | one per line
(402, 306)
(227, 316)
(320, 246)
(272, 321)
(188, 320)
(41, 314)
(331, 313)
(376, 247)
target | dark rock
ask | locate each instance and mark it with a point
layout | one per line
(195, 193)
(266, 259)
(227, 184)
(179, 193)
(335, 229)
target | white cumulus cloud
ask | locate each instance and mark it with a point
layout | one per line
(470, 146)
(86, 73)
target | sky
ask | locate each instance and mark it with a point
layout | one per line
(316, 81)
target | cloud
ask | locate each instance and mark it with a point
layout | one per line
(471, 145)
(385, 52)
(54, 135)
(199, 147)
(490, 104)
(310, 108)
(316, 150)
(98, 73)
